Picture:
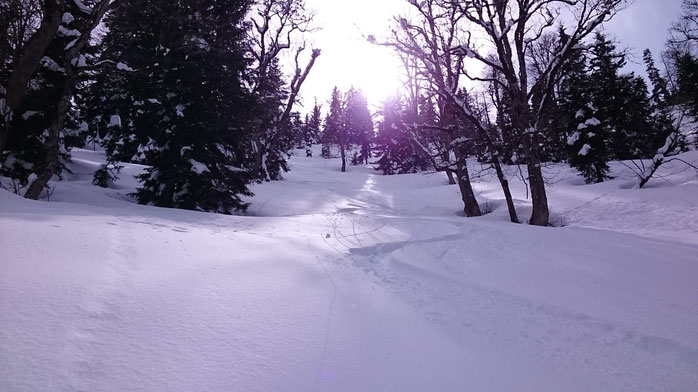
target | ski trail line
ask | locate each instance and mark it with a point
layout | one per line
(329, 316)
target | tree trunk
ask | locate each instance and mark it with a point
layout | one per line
(50, 165)
(26, 65)
(449, 172)
(343, 154)
(520, 116)
(451, 178)
(513, 216)
(540, 215)
(258, 163)
(470, 205)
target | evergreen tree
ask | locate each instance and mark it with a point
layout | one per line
(687, 70)
(182, 103)
(588, 150)
(397, 151)
(392, 138)
(621, 101)
(358, 125)
(577, 102)
(334, 132)
(312, 129)
(604, 80)
(661, 118)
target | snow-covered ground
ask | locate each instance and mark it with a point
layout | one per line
(352, 282)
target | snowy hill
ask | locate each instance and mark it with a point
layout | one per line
(352, 282)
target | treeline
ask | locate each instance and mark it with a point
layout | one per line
(194, 89)
(539, 90)
(595, 114)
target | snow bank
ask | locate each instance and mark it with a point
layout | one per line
(351, 282)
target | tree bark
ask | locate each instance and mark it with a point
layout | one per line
(520, 117)
(259, 151)
(470, 205)
(540, 215)
(513, 216)
(343, 154)
(451, 177)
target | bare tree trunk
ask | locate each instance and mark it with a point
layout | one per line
(470, 205)
(451, 178)
(449, 172)
(513, 216)
(259, 151)
(343, 154)
(540, 215)
(26, 65)
(520, 114)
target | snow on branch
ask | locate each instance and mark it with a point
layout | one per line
(82, 7)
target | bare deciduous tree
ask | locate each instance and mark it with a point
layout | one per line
(278, 27)
(503, 36)
(427, 40)
(511, 29)
(684, 32)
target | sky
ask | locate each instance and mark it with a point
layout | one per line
(349, 60)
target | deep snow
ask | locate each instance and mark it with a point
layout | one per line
(352, 282)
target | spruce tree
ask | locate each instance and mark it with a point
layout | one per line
(621, 101)
(358, 125)
(687, 69)
(587, 145)
(312, 129)
(181, 100)
(604, 80)
(392, 138)
(588, 133)
(334, 132)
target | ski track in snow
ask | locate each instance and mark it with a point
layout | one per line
(350, 282)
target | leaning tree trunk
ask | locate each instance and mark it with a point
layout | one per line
(26, 65)
(51, 161)
(505, 188)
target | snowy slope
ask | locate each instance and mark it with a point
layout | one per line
(351, 282)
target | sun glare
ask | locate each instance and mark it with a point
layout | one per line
(377, 74)
(348, 59)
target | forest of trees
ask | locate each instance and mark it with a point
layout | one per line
(194, 89)
(207, 97)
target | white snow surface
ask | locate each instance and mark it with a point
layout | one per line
(352, 282)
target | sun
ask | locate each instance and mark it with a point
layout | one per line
(378, 75)
(348, 58)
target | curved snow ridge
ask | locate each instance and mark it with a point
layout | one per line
(544, 295)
